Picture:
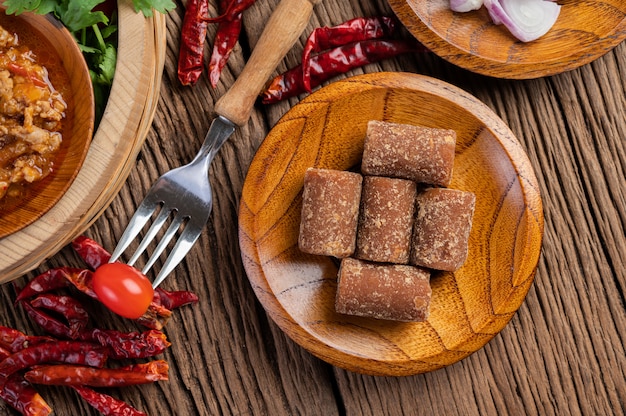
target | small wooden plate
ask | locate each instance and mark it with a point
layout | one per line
(122, 131)
(470, 306)
(584, 31)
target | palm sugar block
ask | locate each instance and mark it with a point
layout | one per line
(395, 292)
(386, 220)
(330, 212)
(442, 226)
(422, 154)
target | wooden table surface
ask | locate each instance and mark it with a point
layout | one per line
(562, 353)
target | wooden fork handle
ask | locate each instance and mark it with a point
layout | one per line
(282, 31)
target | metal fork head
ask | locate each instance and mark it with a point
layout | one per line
(184, 194)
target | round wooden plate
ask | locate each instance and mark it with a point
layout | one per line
(584, 31)
(470, 306)
(120, 135)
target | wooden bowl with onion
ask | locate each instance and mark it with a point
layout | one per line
(583, 32)
(56, 50)
(469, 306)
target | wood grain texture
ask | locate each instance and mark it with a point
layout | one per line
(561, 353)
(583, 32)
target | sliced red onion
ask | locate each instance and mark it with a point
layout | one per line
(527, 20)
(465, 5)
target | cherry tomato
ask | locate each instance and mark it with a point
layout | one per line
(123, 289)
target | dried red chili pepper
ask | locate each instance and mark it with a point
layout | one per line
(130, 344)
(58, 278)
(233, 9)
(155, 317)
(13, 340)
(174, 299)
(72, 310)
(105, 404)
(71, 352)
(82, 282)
(226, 38)
(20, 395)
(152, 367)
(193, 35)
(92, 253)
(332, 63)
(75, 375)
(48, 323)
(48, 281)
(355, 30)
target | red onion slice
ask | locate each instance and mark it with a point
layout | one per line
(527, 20)
(465, 5)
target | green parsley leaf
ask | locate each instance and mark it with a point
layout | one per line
(46, 6)
(19, 6)
(78, 14)
(146, 6)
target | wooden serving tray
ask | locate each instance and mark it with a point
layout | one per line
(122, 131)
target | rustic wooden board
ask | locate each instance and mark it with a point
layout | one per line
(563, 351)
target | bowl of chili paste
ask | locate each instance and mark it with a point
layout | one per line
(46, 116)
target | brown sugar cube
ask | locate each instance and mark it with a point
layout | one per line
(421, 154)
(442, 227)
(395, 292)
(330, 212)
(385, 220)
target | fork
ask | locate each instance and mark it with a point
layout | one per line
(184, 193)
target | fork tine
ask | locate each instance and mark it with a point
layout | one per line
(169, 234)
(136, 223)
(184, 243)
(152, 232)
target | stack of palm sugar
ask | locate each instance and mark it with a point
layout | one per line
(392, 224)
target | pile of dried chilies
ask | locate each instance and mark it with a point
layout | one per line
(73, 353)
(331, 51)
(195, 22)
(328, 52)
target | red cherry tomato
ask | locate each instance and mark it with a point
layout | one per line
(123, 289)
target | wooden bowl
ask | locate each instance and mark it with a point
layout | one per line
(470, 306)
(113, 152)
(584, 31)
(57, 49)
